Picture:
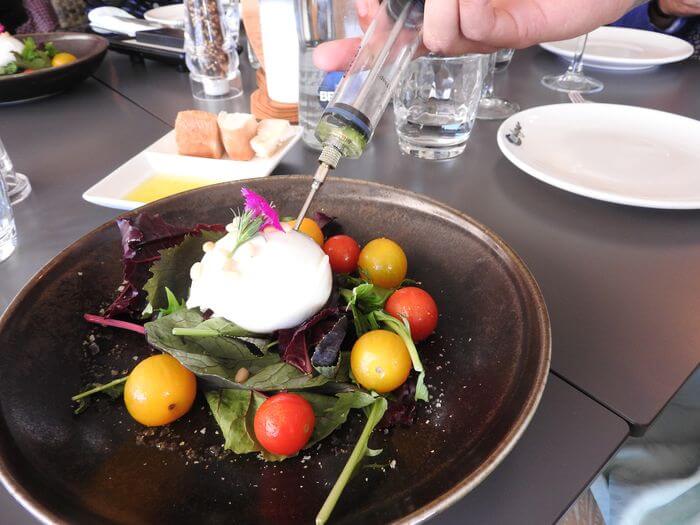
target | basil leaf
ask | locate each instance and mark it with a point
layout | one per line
(230, 409)
(333, 411)
(216, 360)
(172, 270)
(283, 376)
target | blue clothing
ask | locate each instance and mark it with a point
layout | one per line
(638, 18)
(686, 28)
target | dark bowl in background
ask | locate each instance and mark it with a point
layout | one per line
(89, 51)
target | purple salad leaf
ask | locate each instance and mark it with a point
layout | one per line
(402, 406)
(143, 236)
(293, 342)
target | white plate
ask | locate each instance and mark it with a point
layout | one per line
(622, 154)
(161, 158)
(621, 48)
(168, 15)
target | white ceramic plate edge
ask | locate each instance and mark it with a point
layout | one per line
(170, 20)
(96, 195)
(607, 62)
(583, 191)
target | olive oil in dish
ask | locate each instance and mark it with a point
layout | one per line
(160, 185)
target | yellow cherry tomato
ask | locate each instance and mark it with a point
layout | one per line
(310, 228)
(380, 361)
(61, 59)
(159, 390)
(383, 262)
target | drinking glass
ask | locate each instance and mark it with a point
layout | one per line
(574, 79)
(16, 184)
(8, 233)
(492, 107)
(503, 58)
(435, 105)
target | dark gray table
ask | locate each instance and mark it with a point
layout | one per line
(620, 283)
(69, 142)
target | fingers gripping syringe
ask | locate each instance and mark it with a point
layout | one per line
(350, 119)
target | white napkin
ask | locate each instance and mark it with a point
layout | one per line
(104, 18)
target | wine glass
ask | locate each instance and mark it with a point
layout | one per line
(574, 79)
(18, 187)
(490, 106)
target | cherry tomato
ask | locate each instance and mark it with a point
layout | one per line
(384, 263)
(310, 228)
(380, 361)
(418, 307)
(343, 253)
(159, 390)
(61, 59)
(284, 423)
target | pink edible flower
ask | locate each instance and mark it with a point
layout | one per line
(2, 28)
(258, 206)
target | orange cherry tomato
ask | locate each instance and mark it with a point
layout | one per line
(418, 307)
(284, 423)
(343, 253)
(380, 361)
(383, 262)
(159, 390)
(310, 228)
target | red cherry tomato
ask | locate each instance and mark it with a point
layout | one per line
(284, 423)
(343, 253)
(418, 307)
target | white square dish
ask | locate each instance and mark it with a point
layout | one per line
(161, 158)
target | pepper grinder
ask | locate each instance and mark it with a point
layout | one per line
(210, 49)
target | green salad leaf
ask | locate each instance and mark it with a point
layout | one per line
(216, 360)
(283, 376)
(363, 299)
(234, 411)
(215, 350)
(375, 412)
(113, 389)
(9, 69)
(172, 270)
(32, 57)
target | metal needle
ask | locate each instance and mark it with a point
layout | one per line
(328, 160)
(319, 179)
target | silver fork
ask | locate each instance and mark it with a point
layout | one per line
(576, 97)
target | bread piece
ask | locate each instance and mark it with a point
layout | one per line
(236, 131)
(271, 133)
(197, 134)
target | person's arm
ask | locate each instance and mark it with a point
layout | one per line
(455, 27)
(652, 17)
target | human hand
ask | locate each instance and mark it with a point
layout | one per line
(455, 27)
(681, 8)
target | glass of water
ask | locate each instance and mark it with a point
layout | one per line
(8, 233)
(435, 105)
(503, 58)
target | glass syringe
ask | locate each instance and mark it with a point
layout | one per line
(349, 121)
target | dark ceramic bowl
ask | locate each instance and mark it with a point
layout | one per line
(486, 365)
(89, 51)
